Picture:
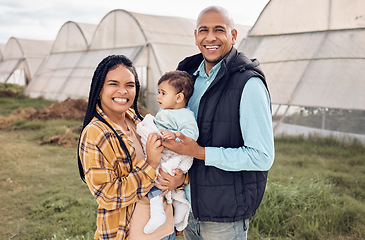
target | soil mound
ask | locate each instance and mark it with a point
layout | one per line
(16, 114)
(65, 139)
(70, 109)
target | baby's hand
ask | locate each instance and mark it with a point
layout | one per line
(168, 135)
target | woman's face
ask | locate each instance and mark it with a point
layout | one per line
(118, 92)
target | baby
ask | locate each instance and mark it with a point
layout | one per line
(174, 91)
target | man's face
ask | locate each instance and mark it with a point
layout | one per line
(214, 37)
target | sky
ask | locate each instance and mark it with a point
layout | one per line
(41, 20)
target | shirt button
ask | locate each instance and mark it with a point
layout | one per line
(207, 82)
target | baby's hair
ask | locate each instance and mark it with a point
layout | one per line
(181, 81)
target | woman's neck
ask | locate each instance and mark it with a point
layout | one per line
(120, 120)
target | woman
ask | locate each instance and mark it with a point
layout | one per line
(111, 159)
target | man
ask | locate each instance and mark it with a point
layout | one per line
(235, 148)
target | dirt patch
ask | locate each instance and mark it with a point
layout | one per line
(65, 139)
(70, 109)
(16, 114)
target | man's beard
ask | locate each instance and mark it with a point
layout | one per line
(215, 61)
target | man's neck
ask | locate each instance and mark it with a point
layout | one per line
(208, 67)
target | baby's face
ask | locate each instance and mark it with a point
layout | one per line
(167, 96)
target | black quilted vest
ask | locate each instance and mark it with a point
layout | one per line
(217, 195)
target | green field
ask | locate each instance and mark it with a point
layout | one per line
(315, 187)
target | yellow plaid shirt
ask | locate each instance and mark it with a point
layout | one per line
(114, 185)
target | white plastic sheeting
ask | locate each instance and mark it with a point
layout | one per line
(299, 16)
(22, 56)
(312, 52)
(7, 67)
(60, 66)
(74, 78)
(154, 43)
(2, 47)
(73, 37)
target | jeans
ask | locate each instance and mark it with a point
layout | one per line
(154, 192)
(170, 237)
(198, 230)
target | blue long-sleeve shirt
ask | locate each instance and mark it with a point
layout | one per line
(256, 127)
(255, 119)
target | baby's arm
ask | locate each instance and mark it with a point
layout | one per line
(168, 134)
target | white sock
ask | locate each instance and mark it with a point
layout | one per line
(180, 210)
(157, 215)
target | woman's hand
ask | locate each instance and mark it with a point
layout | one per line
(166, 182)
(153, 150)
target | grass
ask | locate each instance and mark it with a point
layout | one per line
(315, 188)
(41, 194)
(315, 191)
(8, 105)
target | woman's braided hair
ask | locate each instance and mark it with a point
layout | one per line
(107, 64)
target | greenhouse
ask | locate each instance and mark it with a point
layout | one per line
(70, 44)
(21, 59)
(313, 59)
(314, 64)
(2, 47)
(154, 43)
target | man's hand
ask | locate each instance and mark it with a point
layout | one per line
(166, 182)
(187, 146)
